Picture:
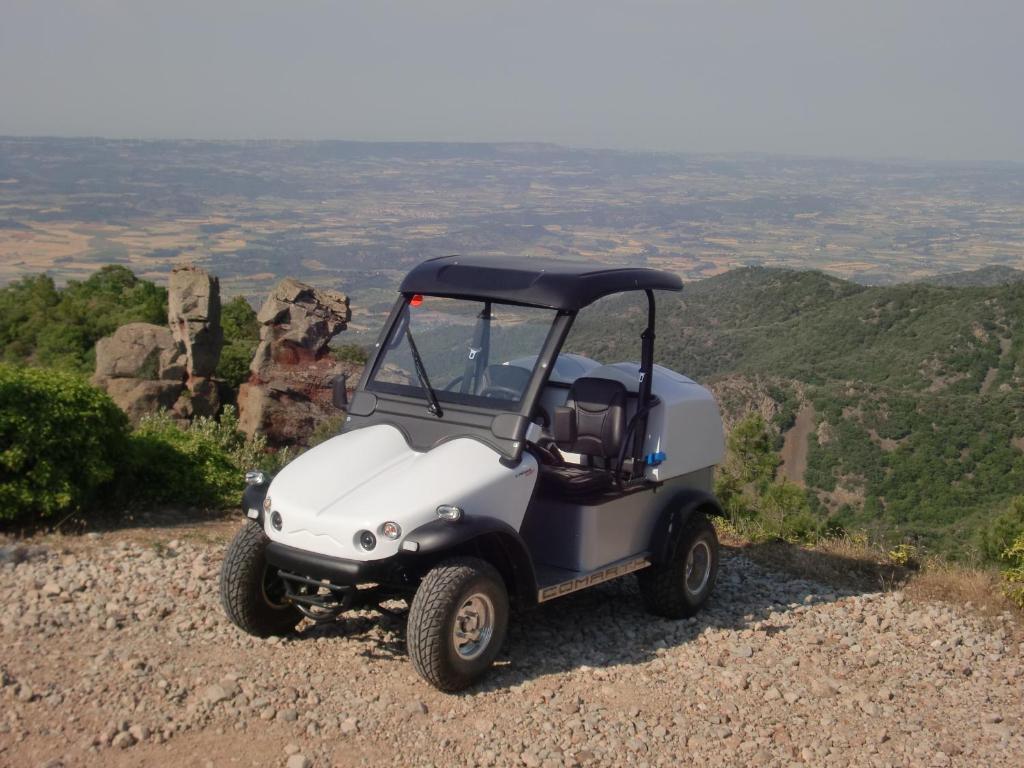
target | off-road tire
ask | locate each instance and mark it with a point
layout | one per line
(242, 586)
(663, 586)
(432, 616)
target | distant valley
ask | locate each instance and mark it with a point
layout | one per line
(356, 215)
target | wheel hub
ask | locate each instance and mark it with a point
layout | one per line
(474, 625)
(698, 567)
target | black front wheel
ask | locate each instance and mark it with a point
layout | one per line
(252, 593)
(457, 622)
(678, 587)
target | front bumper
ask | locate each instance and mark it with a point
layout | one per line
(334, 569)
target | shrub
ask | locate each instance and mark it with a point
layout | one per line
(785, 513)
(43, 325)
(758, 504)
(1013, 577)
(750, 454)
(235, 359)
(903, 554)
(202, 464)
(61, 441)
(351, 353)
(1004, 530)
(241, 337)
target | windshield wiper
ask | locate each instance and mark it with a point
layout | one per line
(421, 372)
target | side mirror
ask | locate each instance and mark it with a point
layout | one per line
(339, 392)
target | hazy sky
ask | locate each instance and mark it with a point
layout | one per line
(928, 78)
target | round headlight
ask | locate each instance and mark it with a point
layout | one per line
(391, 530)
(275, 521)
(367, 540)
(266, 504)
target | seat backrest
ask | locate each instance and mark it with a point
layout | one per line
(597, 410)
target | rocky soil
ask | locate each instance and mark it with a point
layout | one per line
(114, 651)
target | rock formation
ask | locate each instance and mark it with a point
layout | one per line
(193, 313)
(141, 367)
(147, 367)
(289, 391)
(140, 351)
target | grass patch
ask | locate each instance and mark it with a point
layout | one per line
(853, 563)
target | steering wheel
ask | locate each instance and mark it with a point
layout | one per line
(501, 393)
(545, 455)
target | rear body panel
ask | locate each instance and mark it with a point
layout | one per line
(686, 425)
(584, 536)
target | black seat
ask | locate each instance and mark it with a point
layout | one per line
(592, 423)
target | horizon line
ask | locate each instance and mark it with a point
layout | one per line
(918, 159)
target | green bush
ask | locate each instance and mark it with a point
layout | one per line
(785, 513)
(750, 453)
(759, 505)
(1014, 575)
(202, 464)
(61, 441)
(1004, 530)
(351, 353)
(66, 448)
(43, 325)
(235, 359)
(241, 336)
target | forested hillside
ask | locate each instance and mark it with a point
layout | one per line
(45, 325)
(913, 392)
(985, 276)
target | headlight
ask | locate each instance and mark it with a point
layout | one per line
(449, 512)
(256, 477)
(275, 521)
(367, 540)
(391, 530)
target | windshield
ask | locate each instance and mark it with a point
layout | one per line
(462, 351)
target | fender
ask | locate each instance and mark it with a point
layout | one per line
(674, 517)
(252, 498)
(494, 540)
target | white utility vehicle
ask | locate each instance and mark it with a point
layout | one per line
(478, 470)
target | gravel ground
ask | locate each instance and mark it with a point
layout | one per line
(115, 652)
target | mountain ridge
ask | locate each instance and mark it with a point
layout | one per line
(916, 390)
(983, 277)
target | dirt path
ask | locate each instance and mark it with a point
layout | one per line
(1005, 345)
(114, 652)
(794, 446)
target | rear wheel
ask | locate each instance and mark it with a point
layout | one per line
(678, 587)
(457, 622)
(252, 593)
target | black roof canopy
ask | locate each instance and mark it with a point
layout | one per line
(553, 283)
